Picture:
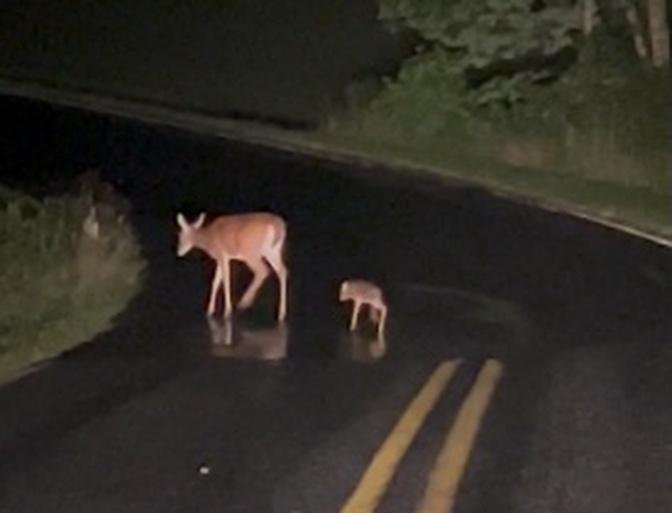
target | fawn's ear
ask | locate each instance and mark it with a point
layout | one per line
(182, 221)
(199, 222)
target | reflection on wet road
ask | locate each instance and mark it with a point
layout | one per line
(363, 348)
(250, 342)
(229, 341)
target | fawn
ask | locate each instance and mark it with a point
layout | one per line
(362, 292)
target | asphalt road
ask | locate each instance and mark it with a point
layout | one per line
(161, 415)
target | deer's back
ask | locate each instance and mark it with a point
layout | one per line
(363, 290)
(240, 234)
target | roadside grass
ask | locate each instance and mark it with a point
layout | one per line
(461, 160)
(596, 140)
(59, 285)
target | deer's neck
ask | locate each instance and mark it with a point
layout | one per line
(203, 240)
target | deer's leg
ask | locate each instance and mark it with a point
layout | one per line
(261, 272)
(225, 264)
(355, 314)
(275, 260)
(214, 288)
(378, 348)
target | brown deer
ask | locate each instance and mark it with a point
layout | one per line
(256, 239)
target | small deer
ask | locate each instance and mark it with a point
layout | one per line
(256, 239)
(362, 292)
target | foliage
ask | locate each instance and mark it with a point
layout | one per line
(501, 44)
(425, 101)
(608, 116)
(59, 286)
(603, 116)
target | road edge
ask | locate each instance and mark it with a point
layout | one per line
(271, 137)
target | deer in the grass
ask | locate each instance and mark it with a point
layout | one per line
(361, 293)
(256, 238)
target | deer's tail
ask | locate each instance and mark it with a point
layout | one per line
(280, 236)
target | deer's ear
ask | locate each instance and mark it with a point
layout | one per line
(182, 221)
(199, 222)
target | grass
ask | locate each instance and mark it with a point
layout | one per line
(595, 141)
(640, 207)
(59, 286)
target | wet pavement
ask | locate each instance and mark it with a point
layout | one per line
(173, 412)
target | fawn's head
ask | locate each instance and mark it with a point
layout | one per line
(186, 237)
(342, 294)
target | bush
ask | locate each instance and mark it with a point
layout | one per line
(426, 100)
(606, 120)
(67, 271)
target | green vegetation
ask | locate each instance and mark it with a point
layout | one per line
(555, 100)
(66, 273)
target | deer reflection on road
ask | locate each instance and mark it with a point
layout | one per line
(229, 341)
(361, 348)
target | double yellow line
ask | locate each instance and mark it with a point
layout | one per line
(452, 459)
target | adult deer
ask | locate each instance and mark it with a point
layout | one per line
(256, 238)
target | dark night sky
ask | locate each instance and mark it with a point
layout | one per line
(280, 58)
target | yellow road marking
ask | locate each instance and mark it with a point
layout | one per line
(378, 475)
(452, 460)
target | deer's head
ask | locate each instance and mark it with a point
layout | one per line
(186, 238)
(343, 291)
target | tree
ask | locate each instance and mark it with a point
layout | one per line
(505, 43)
(503, 46)
(649, 28)
(589, 16)
(659, 33)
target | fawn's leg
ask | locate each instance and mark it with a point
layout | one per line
(355, 314)
(381, 322)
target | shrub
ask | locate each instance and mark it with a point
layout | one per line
(426, 100)
(606, 120)
(66, 273)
